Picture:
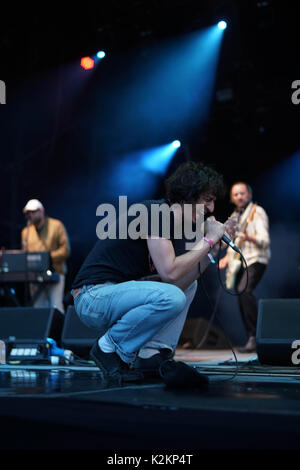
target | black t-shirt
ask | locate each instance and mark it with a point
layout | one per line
(120, 260)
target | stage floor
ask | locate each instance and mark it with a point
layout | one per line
(244, 406)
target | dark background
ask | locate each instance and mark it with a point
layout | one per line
(64, 130)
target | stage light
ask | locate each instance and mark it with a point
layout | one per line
(176, 144)
(87, 63)
(222, 25)
(137, 174)
(101, 54)
(158, 159)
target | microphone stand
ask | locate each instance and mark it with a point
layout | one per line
(26, 291)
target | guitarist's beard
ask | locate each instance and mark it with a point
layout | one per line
(242, 209)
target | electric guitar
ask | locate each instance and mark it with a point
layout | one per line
(235, 262)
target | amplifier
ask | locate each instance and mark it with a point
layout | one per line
(278, 330)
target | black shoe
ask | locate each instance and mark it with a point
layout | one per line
(250, 346)
(112, 366)
(150, 367)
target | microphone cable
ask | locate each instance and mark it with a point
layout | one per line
(215, 307)
(213, 316)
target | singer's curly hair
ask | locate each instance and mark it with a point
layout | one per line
(192, 179)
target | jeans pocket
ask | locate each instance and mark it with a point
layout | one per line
(89, 311)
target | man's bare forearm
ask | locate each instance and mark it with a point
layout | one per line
(184, 282)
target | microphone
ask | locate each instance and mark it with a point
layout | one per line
(230, 243)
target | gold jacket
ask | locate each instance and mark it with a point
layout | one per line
(52, 237)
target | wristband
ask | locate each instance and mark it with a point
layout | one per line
(210, 242)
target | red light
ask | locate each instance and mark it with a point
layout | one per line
(87, 63)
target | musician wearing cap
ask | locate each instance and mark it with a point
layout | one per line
(253, 239)
(44, 233)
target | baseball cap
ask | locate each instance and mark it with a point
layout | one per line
(33, 205)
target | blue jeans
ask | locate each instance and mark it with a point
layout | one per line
(135, 314)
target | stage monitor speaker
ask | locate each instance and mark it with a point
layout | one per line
(278, 327)
(26, 329)
(76, 336)
(29, 324)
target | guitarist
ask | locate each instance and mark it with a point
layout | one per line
(253, 240)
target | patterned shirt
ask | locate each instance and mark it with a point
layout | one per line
(255, 224)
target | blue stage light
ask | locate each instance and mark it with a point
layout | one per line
(100, 54)
(222, 25)
(149, 164)
(176, 144)
(158, 159)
